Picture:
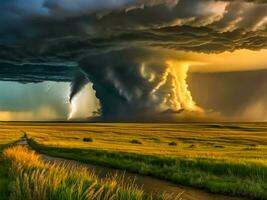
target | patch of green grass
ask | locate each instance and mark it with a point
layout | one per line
(156, 137)
(34, 179)
(4, 180)
(6, 139)
(218, 176)
(227, 158)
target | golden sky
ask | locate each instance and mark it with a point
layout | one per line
(239, 60)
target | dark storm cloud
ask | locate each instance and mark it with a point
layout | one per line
(70, 50)
(133, 82)
(78, 83)
(193, 25)
(120, 86)
(110, 40)
(35, 73)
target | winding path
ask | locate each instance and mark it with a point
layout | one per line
(148, 184)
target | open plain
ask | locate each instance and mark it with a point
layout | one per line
(223, 158)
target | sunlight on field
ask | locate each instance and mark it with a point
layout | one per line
(226, 141)
(223, 158)
(7, 136)
(35, 179)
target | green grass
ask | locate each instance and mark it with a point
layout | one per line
(34, 179)
(224, 141)
(6, 138)
(4, 180)
(218, 176)
(4, 177)
(228, 158)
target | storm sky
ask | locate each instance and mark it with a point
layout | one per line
(129, 58)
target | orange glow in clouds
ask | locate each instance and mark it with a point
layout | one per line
(240, 60)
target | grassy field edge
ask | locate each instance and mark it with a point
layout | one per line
(4, 173)
(236, 179)
(35, 179)
(4, 179)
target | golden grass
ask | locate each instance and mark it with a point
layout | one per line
(7, 136)
(234, 155)
(238, 142)
(34, 179)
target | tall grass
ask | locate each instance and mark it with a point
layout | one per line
(4, 180)
(5, 141)
(219, 176)
(34, 179)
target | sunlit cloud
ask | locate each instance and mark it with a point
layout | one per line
(240, 60)
(125, 58)
(85, 104)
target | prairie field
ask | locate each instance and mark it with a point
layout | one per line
(34, 179)
(6, 137)
(247, 141)
(225, 158)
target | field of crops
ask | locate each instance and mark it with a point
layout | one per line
(237, 141)
(227, 158)
(6, 137)
(34, 179)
